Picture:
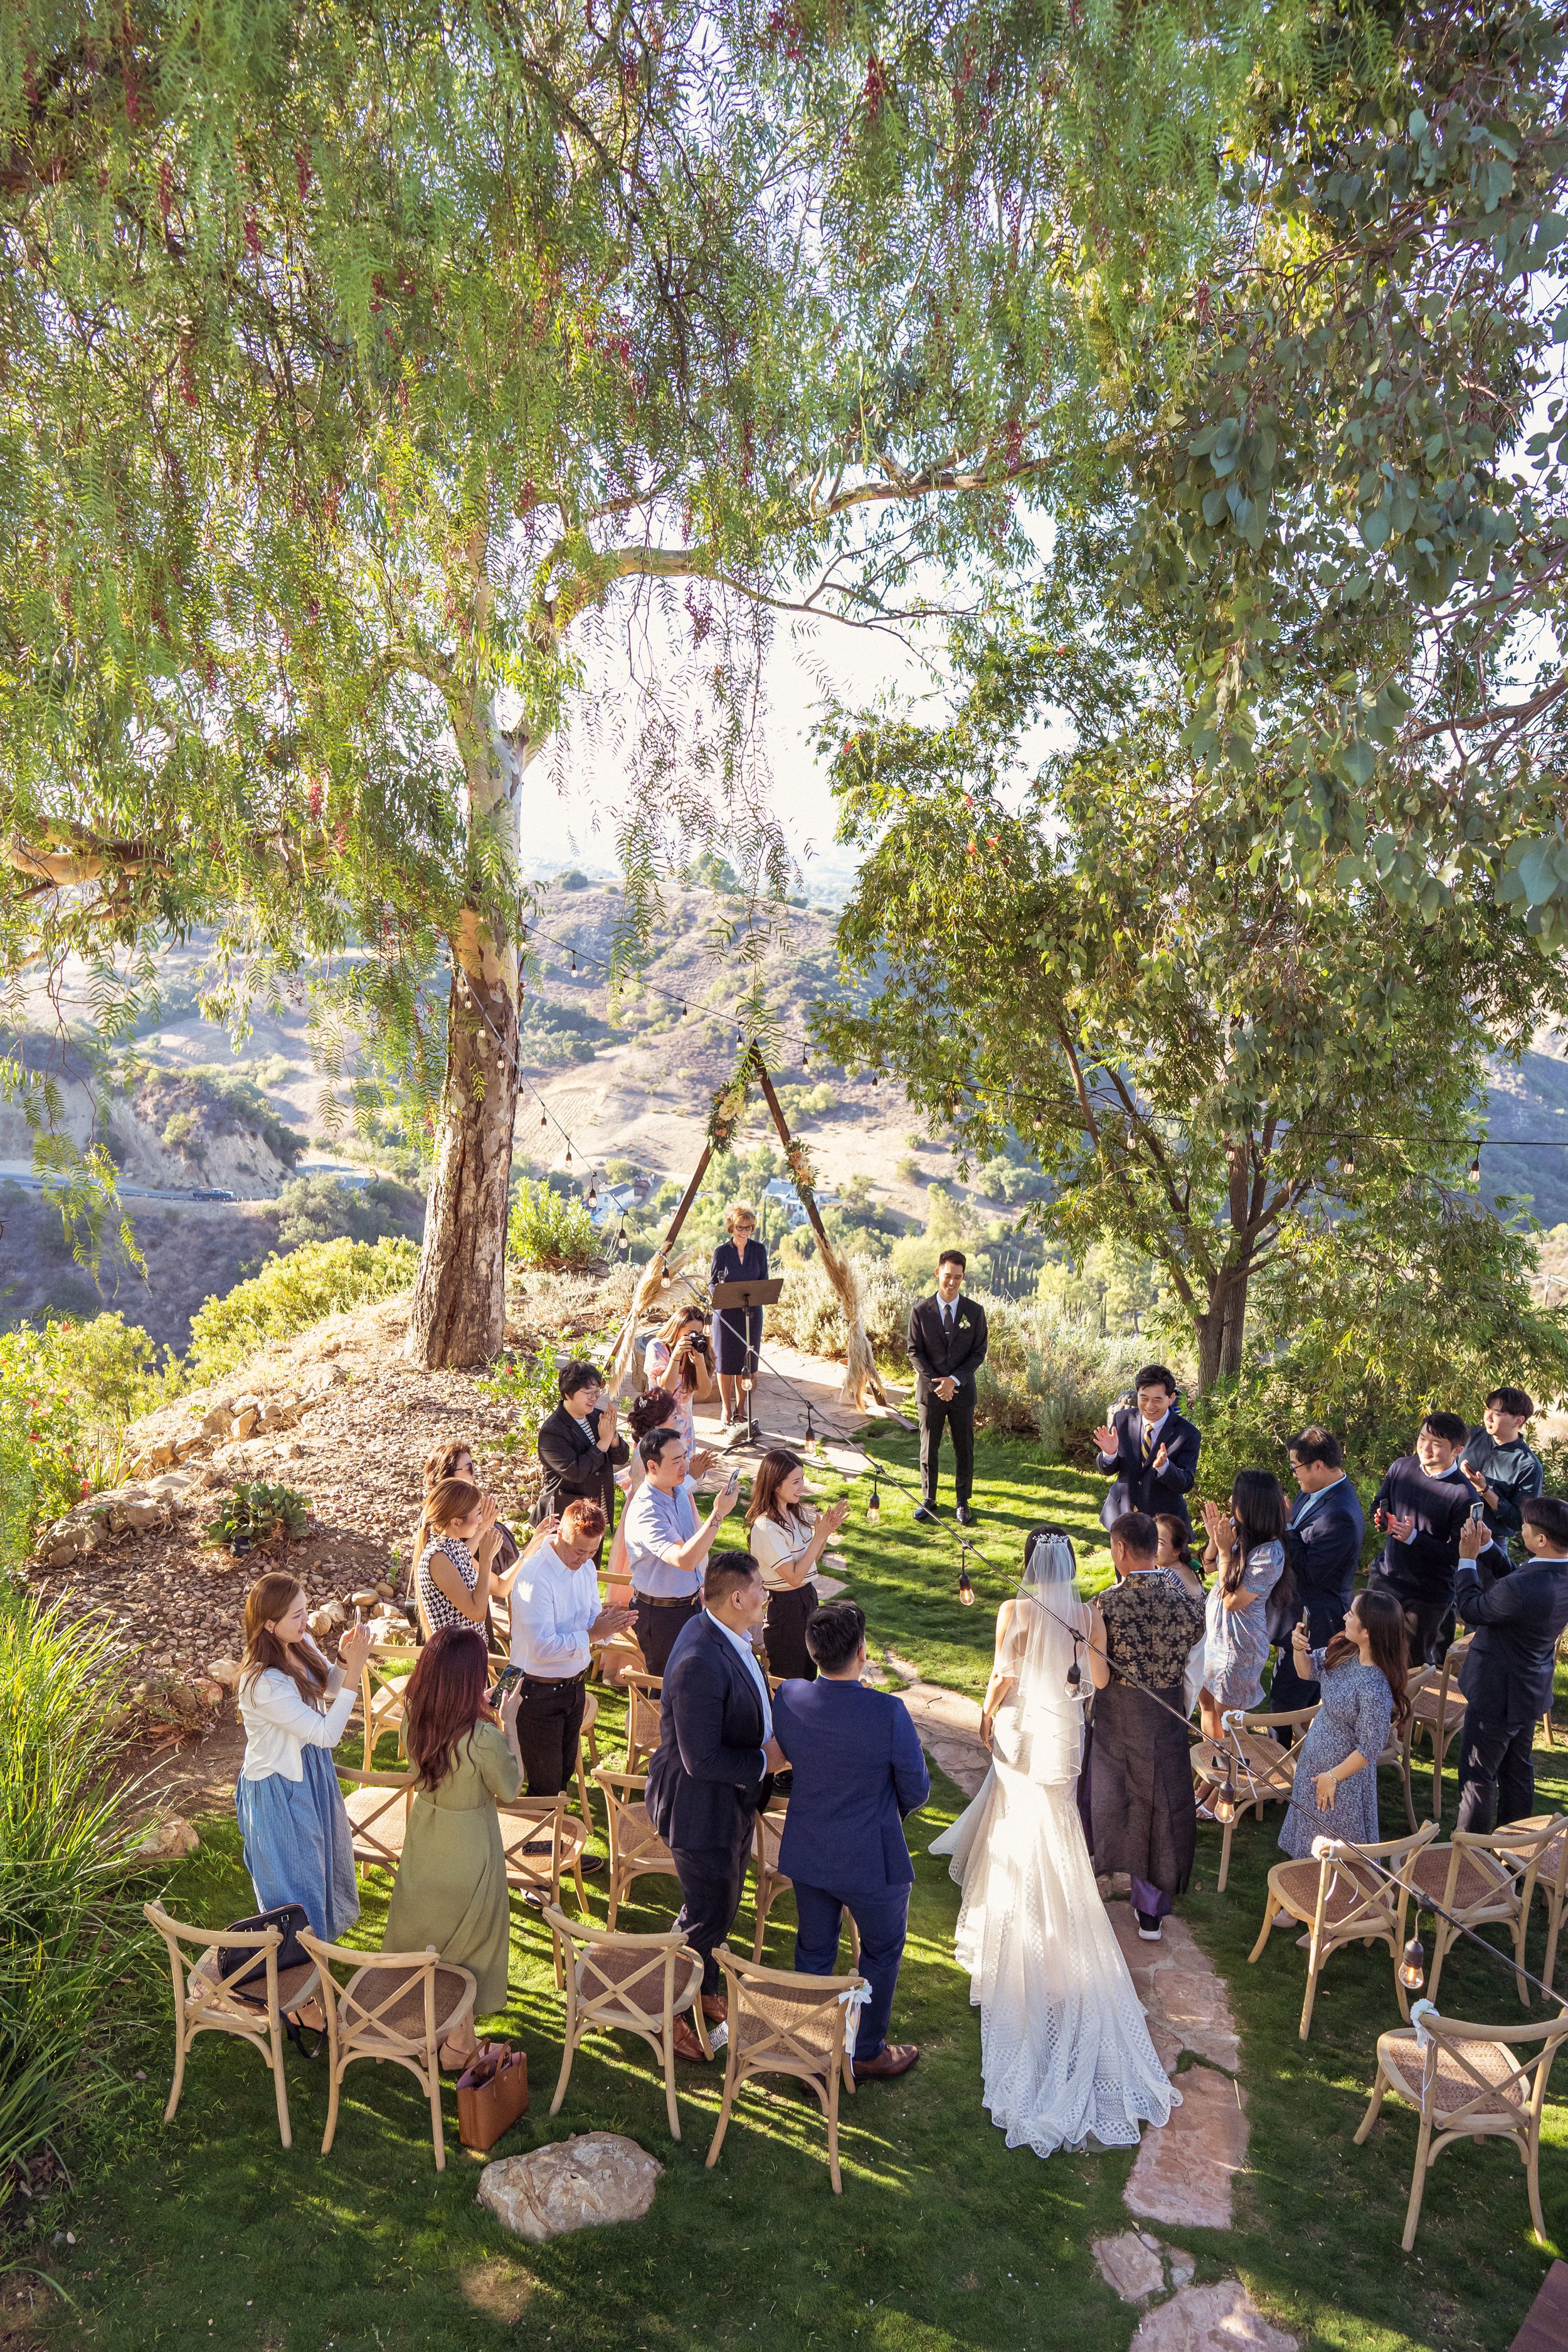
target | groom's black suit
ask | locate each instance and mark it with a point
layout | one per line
(707, 1781)
(947, 1343)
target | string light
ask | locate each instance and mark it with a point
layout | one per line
(1476, 1166)
(1075, 1688)
(593, 1193)
(568, 1155)
(544, 1119)
(1224, 1804)
(965, 1590)
(874, 1503)
(573, 963)
(1413, 1965)
(1348, 1162)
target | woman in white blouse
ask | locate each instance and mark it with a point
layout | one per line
(786, 1544)
(295, 1708)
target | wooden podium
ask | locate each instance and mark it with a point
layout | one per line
(733, 1295)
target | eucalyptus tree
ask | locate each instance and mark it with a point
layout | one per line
(358, 354)
(1108, 958)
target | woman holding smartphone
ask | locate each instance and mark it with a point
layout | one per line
(787, 1541)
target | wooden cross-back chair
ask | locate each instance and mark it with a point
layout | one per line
(636, 1847)
(1467, 2082)
(1263, 1771)
(1547, 1876)
(770, 1882)
(784, 2024)
(209, 2000)
(543, 1841)
(377, 1804)
(1340, 1901)
(1482, 1879)
(381, 1695)
(643, 1713)
(1437, 1711)
(617, 1983)
(394, 2006)
(587, 1737)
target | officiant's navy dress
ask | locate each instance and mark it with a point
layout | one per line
(738, 1330)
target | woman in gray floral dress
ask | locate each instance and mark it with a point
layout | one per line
(1140, 1812)
(1363, 1673)
(1246, 1545)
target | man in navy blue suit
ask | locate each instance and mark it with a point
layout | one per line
(1150, 1451)
(714, 1764)
(1323, 1542)
(858, 1770)
(1518, 1614)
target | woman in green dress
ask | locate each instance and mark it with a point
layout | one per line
(452, 1882)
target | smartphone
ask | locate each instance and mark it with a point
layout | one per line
(508, 1678)
(1477, 1511)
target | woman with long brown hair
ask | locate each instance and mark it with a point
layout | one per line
(451, 1880)
(1364, 1675)
(295, 1707)
(787, 1540)
(454, 1554)
(680, 1359)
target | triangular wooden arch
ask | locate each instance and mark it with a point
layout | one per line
(861, 1380)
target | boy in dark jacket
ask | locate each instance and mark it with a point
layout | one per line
(1421, 1506)
(1501, 1467)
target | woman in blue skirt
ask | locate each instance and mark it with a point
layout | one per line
(295, 1708)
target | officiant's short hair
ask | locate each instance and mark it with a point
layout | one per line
(834, 1635)
(1137, 1531)
(725, 1572)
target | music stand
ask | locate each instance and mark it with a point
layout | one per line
(747, 1294)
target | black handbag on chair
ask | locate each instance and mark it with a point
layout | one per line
(291, 1954)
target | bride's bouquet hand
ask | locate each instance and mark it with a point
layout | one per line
(988, 1725)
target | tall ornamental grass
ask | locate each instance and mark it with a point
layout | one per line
(69, 1923)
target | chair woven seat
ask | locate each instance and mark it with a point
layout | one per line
(1428, 1703)
(800, 2015)
(1296, 1883)
(378, 1822)
(1479, 1878)
(403, 2018)
(294, 1986)
(639, 1837)
(1401, 2055)
(607, 1963)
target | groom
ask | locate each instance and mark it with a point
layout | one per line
(858, 1770)
(714, 1763)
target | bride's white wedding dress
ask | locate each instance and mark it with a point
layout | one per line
(1065, 2051)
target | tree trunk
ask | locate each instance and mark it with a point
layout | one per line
(458, 1316)
(1222, 1330)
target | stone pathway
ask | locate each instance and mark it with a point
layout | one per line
(1183, 2175)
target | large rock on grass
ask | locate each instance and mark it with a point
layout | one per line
(579, 2183)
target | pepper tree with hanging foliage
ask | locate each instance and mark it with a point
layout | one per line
(1108, 959)
(360, 357)
(1356, 501)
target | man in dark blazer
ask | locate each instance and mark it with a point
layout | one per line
(1323, 1540)
(859, 1771)
(1518, 1614)
(580, 1447)
(714, 1764)
(947, 1346)
(1150, 1453)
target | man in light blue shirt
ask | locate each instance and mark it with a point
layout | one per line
(667, 1546)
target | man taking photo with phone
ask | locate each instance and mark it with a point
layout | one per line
(666, 1545)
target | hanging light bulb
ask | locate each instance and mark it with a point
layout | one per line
(1348, 1162)
(544, 1119)
(1224, 1804)
(574, 962)
(1413, 1965)
(1075, 1676)
(965, 1590)
(568, 1155)
(805, 1056)
(1130, 1138)
(1476, 1166)
(593, 1193)
(623, 1240)
(874, 1506)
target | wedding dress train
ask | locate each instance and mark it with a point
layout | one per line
(1066, 2055)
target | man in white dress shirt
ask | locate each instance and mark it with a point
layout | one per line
(555, 1618)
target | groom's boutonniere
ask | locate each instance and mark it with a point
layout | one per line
(965, 1323)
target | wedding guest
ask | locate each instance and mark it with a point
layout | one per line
(680, 1359)
(1500, 1467)
(294, 1706)
(1176, 1552)
(712, 1767)
(655, 1409)
(454, 1556)
(1518, 1612)
(1361, 1673)
(451, 1889)
(456, 1460)
(947, 1345)
(1422, 1505)
(580, 1444)
(787, 1541)
(556, 1617)
(859, 1775)
(667, 1545)
(1141, 1810)
(1323, 1540)
(1247, 1554)
(737, 1331)
(1150, 1452)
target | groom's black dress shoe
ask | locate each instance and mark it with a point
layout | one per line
(964, 1516)
(893, 2059)
(926, 1511)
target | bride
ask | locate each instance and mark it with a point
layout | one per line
(1065, 2051)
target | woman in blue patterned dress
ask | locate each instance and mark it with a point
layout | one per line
(1247, 1546)
(1362, 1674)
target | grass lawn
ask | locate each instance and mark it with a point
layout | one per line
(208, 2233)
